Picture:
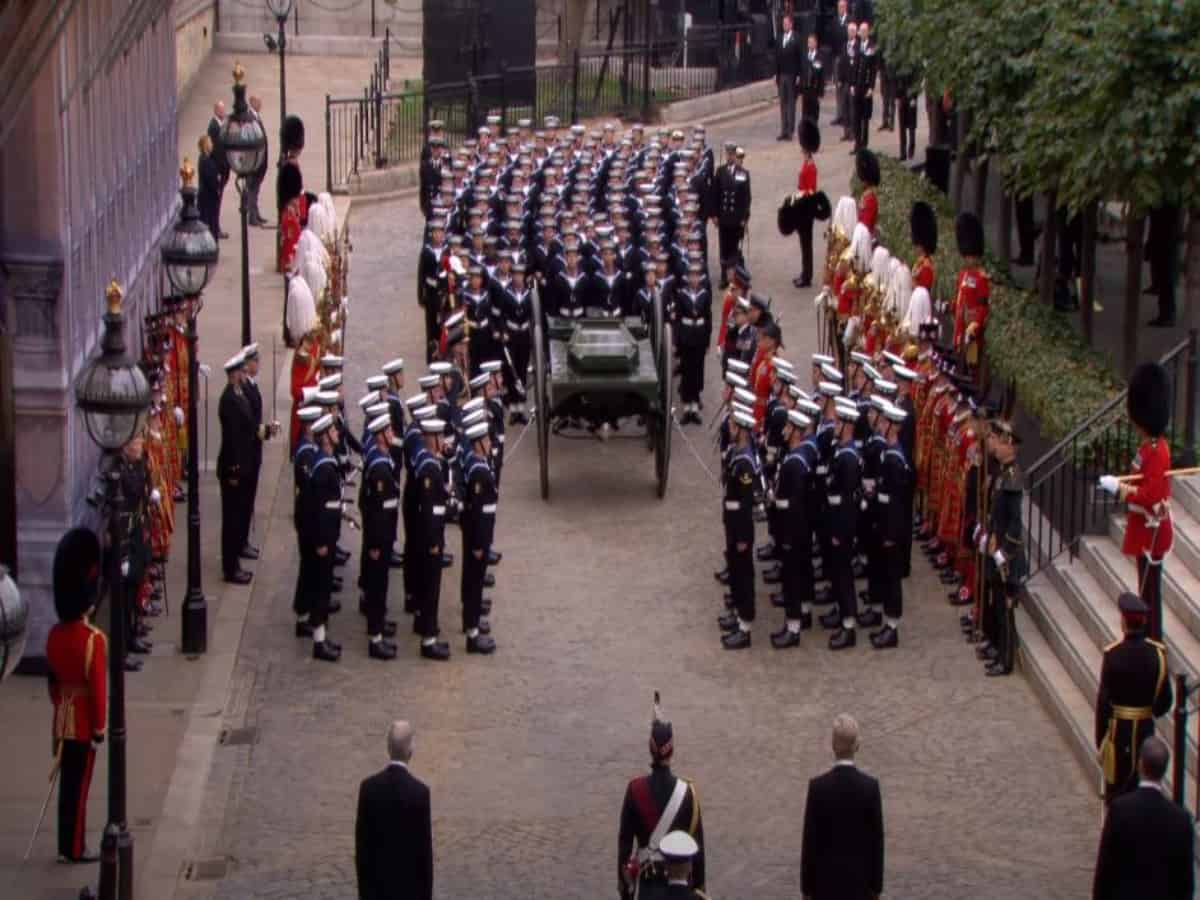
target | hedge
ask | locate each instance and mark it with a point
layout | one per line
(1060, 381)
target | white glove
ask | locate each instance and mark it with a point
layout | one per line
(982, 544)
(975, 533)
(155, 496)
(124, 568)
(179, 415)
(819, 300)
(1109, 484)
(1000, 558)
(205, 369)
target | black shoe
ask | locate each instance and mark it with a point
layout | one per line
(783, 638)
(822, 597)
(766, 552)
(381, 650)
(340, 556)
(805, 621)
(961, 598)
(447, 560)
(132, 665)
(728, 621)
(986, 653)
(494, 558)
(831, 619)
(489, 580)
(481, 643)
(249, 552)
(722, 576)
(996, 670)
(798, 282)
(139, 646)
(485, 606)
(87, 856)
(396, 560)
(777, 600)
(335, 606)
(843, 639)
(869, 618)
(773, 575)
(326, 652)
(241, 576)
(303, 630)
(727, 599)
(737, 640)
(437, 650)
(885, 638)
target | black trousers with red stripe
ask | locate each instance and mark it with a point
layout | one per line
(74, 781)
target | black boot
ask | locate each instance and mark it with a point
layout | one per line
(784, 638)
(325, 651)
(381, 650)
(884, 638)
(843, 639)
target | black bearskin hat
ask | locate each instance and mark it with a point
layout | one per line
(76, 575)
(1150, 398)
(866, 166)
(821, 210)
(922, 222)
(809, 135)
(289, 185)
(293, 134)
(785, 219)
(968, 231)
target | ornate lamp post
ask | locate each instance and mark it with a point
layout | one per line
(280, 9)
(113, 395)
(245, 143)
(189, 255)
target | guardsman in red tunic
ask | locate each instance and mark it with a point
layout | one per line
(867, 167)
(762, 372)
(1149, 533)
(971, 300)
(923, 224)
(806, 188)
(77, 654)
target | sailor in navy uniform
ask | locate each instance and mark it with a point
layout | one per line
(493, 395)
(871, 446)
(412, 445)
(326, 510)
(429, 540)
(844, 491)
(303, 518)
(478, 525)
(741, 480)
(894, 520)
(567, 289)
(794, 528)
(607, 291)
(380, 506)
(432, 284)
(693, 329)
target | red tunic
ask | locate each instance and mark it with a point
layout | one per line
(726, 315)
(868, 209)
(1149, 503)
(77, 654)
(922, 274)
(847, 295)
(971, 304)
(305, 368)
(291, 223)
(762, 376)
(806, 183)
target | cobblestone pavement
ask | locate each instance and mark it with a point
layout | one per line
(604, 595)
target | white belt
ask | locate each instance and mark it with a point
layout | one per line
(481, 323)
(517, 326)
(835, 500)
(573, 313)
(439, 510)
(733, 504)
(869, 483)
(432, 282)
(500, 439)
(821, 470)
(488, 509)
(1152, 518)
(883, 498)
(690, 322)
(391, 504)
(782, 504)
(333, 504)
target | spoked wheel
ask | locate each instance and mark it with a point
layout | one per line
(542, 410)
(661, 424)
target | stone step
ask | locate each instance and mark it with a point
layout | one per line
(1185, 492)
(1066, 703)
(1182, 565)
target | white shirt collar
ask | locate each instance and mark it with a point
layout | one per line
(1152, 785)
(682, 881)
(844, 762)
(396, 762)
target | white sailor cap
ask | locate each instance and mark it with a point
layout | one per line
(859, 357)
(847, 413)
(368, 400)
(309, 413)
(332, 361)
(235, 362)
(473, 404)
(786, 375)
(829, 389)
(735, 407)
(781, 363)
(808, 408)
(739, 366)
(329, 382)
(885, 387)
(894, 413)
(416, 400)
(424, 412)
(744, 419)
(745, 396)
(377, 409)
(433, 426)
(322, 424)
(379, 423)
(736, 380)
(830, 373)
(795, 393)
(490, 365)
(308, 394)
(871, 372)
(250, 351)
(524, 123)
(327, 398)
(377, 382)
(393, 366)
(892, 358)
(904, 373)
(878, 401)
(797, 418)
(821, 359)
(477, 431)
(479, 380)
(473, 417)
(494, 120)
(743, 304)
(678, 845)
(441, 367)
(428, 381)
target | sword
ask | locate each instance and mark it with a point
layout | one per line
(42, 816)
(512, 368)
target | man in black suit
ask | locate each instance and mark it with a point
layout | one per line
(1146, 847)
(393, 831)
(208, 194)
(235, 465)
(263, 431)
(839, 39)
(787, 76)
(812, 81)
(215, 125)
(842, 854)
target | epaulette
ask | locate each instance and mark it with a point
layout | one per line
(1159, 644)
(1115, 643)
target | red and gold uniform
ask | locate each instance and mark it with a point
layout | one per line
(762, 378)
(868, 209)
(1149, 533)
(971, 312)
(923, 273)
(306, 369)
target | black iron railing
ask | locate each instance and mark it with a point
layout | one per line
(382, 128)
(1063, 503)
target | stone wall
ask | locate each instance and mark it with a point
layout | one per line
(195, 25)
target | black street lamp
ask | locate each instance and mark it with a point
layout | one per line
(280, 9)
(244, 142)
(113, 395)
(189, 255)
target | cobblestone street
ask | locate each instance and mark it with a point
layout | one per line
(604, 595)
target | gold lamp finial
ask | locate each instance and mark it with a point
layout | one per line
(239, 74)
(187, 172)
(115, 295)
